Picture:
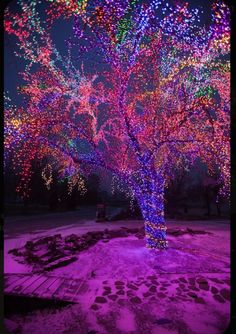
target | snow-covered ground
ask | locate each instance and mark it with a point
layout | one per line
(130, 289)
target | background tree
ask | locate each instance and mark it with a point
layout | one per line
(161, 100)
(92, 186)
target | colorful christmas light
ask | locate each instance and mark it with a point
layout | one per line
(161, 102)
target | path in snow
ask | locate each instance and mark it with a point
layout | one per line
(130, 289)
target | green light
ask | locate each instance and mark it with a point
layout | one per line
(206, 91)
(123, 28)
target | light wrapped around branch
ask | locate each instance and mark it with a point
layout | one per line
(161, 227)
(156, 235)
(156, 243)
(47, 175)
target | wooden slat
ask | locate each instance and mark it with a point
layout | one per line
(65, 284)
(31, 279)
(43, 287)
(71, 292)
(52, 288)
(32, 284)
(82, 290)
(16, 285)
(9, 279)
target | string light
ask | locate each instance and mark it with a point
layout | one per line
(47, 175)
(162, 101)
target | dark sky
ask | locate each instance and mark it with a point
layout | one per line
(61, 31)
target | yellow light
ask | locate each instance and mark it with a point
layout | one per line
(16, 123)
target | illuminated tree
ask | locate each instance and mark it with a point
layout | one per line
(161, 101)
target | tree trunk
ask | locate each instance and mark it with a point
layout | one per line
(208, 203)
(150, 197)
(218, 207)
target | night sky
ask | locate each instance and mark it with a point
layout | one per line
(61, 31)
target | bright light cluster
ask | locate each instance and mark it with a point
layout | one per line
(160, 101)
